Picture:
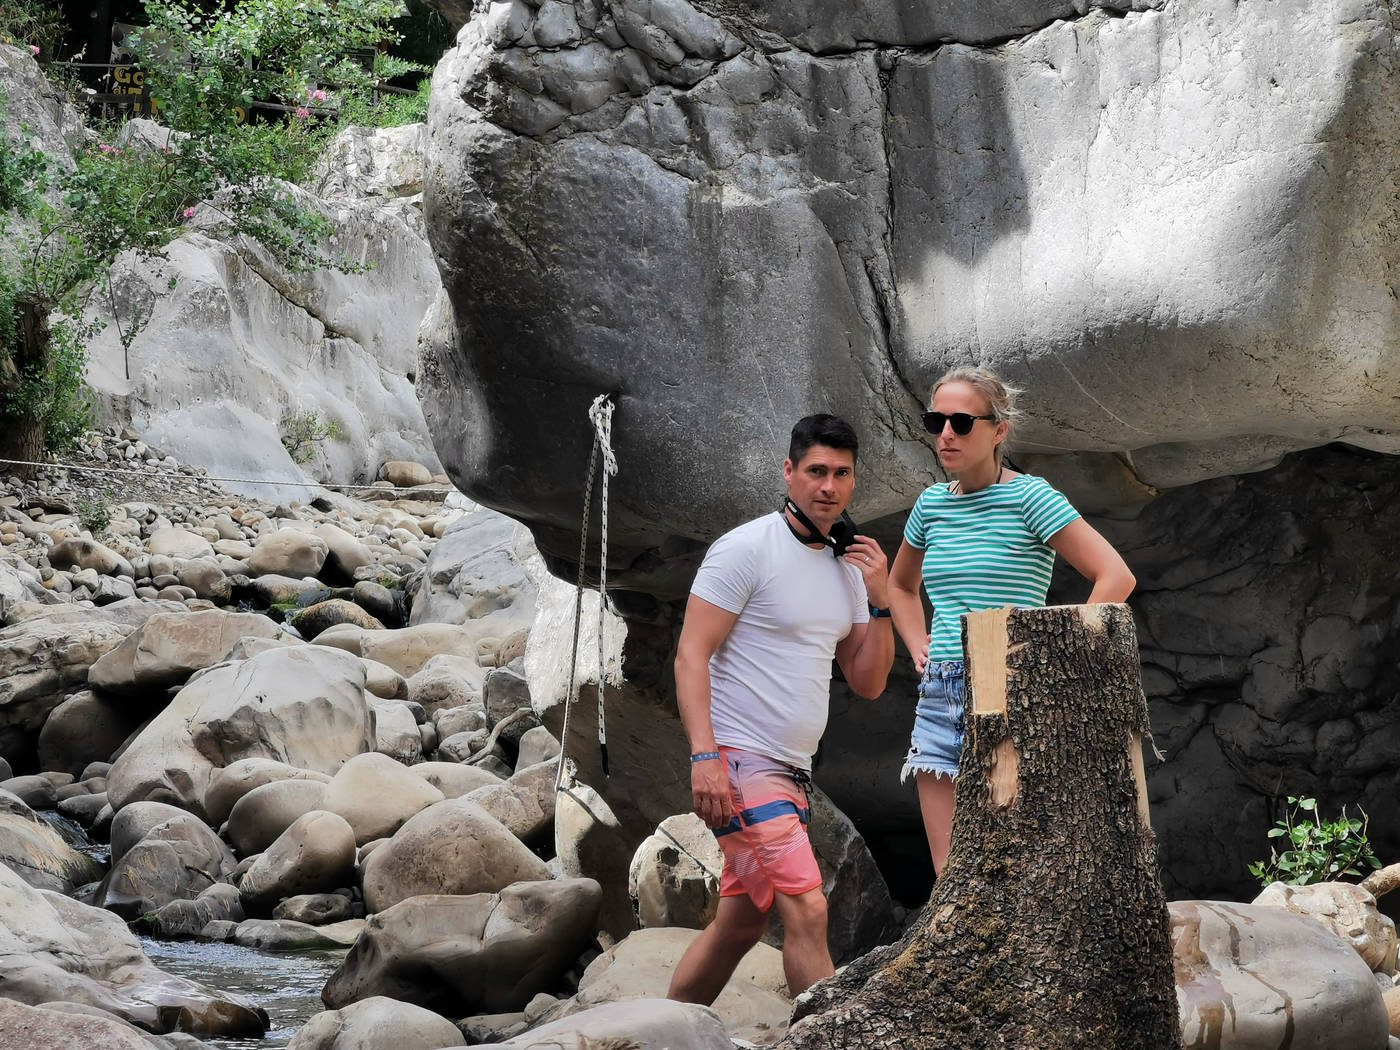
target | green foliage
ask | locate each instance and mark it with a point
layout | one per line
(1320, 850)
(35, 24)
(303, 432)
(94, 514)
(389, 110)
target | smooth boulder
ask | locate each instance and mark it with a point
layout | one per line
(35, 1028)
(479, 953)
(303, 705)
(316, 853)
(674, 876)
(376, 794)
(377, 1023)
(87, 727)
(177, 859)
(169, 647)
(1347, 910)
(232, 782)
(262, 815)
(645, 1023)
(288, 552)
(1252, 977)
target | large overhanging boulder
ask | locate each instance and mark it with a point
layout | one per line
(1169, 226)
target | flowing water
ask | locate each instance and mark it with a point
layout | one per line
(285, 984)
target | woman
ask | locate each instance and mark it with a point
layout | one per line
(985, 540)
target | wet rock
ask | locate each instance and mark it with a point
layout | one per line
(177, 859)
(470, 954)
(303, 705)
(315, 909)
(453, 846)
(182, 919)
(377, 1023)
(377, 600)
(57, 948)
(283, 935)
(36, 853)
(317, 852)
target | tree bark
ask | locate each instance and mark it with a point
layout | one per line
(1048, 929)
(23, 433)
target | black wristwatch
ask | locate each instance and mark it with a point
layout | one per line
(876, 612)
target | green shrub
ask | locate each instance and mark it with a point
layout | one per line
(35, 24)
(1320, 851)
(303, 432)
(94, 514)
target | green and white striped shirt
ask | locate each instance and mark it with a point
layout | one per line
(984, 550)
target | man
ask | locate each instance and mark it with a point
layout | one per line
(769, 609)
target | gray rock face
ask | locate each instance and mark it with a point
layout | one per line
(480, 953)
(55, 948)
(614, 193)
(304, 705)
(477, 569)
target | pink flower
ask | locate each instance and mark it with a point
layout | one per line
(106, 148)
(303, 112)
(188, 213)
(34, 48)
(319, 95)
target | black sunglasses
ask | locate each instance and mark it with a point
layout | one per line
(962, 421)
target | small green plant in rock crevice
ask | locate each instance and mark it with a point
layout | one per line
(303, 432)
(94, 514)
(1319, 850)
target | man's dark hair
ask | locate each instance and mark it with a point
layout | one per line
(821, 429)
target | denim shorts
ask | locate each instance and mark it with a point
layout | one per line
(936, 744)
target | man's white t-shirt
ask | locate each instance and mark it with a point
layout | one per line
(770, 681)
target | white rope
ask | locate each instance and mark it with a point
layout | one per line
(600, 415)
(420, 489)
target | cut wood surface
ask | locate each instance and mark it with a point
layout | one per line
(1048, 929)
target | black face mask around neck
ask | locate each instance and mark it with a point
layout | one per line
(842, 534)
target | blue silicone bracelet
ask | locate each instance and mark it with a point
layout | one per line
(703, 756)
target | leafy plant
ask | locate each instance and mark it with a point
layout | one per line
(1320, 850)
(303, 432)
(35, 24)
(94, 514)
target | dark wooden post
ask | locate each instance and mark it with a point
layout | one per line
(1049, 929)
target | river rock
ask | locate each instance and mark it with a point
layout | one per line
(135, 821)
(34, 790)
(283, 935)
(175, 860)
(524, 803)
(405, 474)
(477, 571)
(754, 1004)
(1347, 910)
(406, 649)
(87, 727)
(537, 744)
(282, 590)
(315, 909)
(467, 718)
(453, 846)
(1250, 977)
(263, 814)
(470, 954)
(590, 843)
(178, 543)
(89, 554)
(384, 681)
(33, 1028)
(506, 693)
(454, 779)
(181, 919)
(674, 876)
(317, 852)
(170, 647)
(288, 552)
(53, 947)
(860, 911)
(378, 601)
(41, 662)
(396, 731)
(305, 706)
(36, 853)
(232, 782)
(377, 795)
(344, 554)
(314, 619)
(205, 578)
(447, 682)
(640, 1022)
(377, 1023)
(84, 809)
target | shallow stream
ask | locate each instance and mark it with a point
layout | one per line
(285, 984)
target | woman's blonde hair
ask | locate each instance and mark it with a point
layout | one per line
(1000, 397)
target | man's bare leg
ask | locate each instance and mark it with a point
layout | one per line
(710, 960)
(806, 956)
(936, 804)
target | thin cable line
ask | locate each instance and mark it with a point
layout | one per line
(421, 490)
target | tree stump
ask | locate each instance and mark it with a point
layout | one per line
(1048, 929)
